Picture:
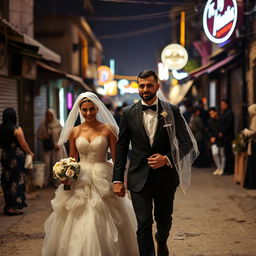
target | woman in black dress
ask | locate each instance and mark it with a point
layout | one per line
(14, 147)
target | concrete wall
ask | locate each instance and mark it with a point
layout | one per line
(21, 15)
(65, 37)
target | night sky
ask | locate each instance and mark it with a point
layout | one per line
(132, 54)
(135, 53)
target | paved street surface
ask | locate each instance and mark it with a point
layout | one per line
(216, 218)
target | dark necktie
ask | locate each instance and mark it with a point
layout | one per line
(145, 107)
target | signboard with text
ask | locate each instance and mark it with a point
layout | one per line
(219, 19)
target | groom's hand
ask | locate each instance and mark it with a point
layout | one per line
(157, 160)
(119, 189)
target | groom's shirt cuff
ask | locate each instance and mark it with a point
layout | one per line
(117, 181)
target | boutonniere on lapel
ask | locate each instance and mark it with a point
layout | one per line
(164, 114)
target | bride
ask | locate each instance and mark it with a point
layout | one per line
(89, 220)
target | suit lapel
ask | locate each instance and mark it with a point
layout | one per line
(140, 124)
(160, 123)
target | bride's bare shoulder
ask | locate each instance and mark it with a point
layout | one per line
(109, 128)
(75, 131)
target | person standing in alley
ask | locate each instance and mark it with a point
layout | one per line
(226, 133)
(217, 147)
(204, 114)
(198, 129)
(49, 133)
(14, 147)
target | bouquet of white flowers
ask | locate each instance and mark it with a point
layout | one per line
(66, 169)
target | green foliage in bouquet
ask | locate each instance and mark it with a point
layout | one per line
(239, 144)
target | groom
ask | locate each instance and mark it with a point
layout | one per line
(152, 177)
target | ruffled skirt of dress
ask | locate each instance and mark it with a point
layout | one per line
(89, 220)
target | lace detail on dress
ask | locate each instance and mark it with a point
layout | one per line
(94, 151)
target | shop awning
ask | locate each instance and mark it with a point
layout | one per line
(79, 80)
(45, 52)
(24, 49)
(212, 66)
(178, 92)
(61, 74)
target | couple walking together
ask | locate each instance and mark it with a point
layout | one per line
(90, 219)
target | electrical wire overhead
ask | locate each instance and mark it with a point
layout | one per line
(136, 17)
(157, 15)
(144, 31)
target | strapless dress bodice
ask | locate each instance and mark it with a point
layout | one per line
(92, 151)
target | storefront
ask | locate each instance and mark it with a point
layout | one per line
(8, 94)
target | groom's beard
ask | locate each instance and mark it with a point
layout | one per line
(147, 96)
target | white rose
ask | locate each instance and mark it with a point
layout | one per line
(57, 164)
(57, 169)
(70, 173)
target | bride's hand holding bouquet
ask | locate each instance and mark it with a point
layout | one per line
(65, 170)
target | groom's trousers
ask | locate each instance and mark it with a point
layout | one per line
(159, 191)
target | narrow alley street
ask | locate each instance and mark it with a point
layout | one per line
(215, 218)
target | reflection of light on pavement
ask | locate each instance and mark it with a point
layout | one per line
(178, 75)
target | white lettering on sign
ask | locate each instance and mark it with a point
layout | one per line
(219, 19)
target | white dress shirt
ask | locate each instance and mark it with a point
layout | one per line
(150, 121)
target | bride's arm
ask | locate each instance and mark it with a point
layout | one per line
(72, 146)
(112, 146)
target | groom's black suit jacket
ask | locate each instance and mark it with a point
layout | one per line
(132, 129)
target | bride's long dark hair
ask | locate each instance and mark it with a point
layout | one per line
(7, 127)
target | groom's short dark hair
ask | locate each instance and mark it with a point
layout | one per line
(147, 73)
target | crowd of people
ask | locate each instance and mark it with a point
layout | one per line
(214, 132)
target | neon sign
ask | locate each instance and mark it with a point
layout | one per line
(174, 56)
(105, 75)
(219, 19)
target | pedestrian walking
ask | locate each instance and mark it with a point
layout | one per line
(217, 147)
(250, 177)
(14, 147)
(227, 135)
(48, 133)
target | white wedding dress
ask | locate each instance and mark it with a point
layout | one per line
(89, 219)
